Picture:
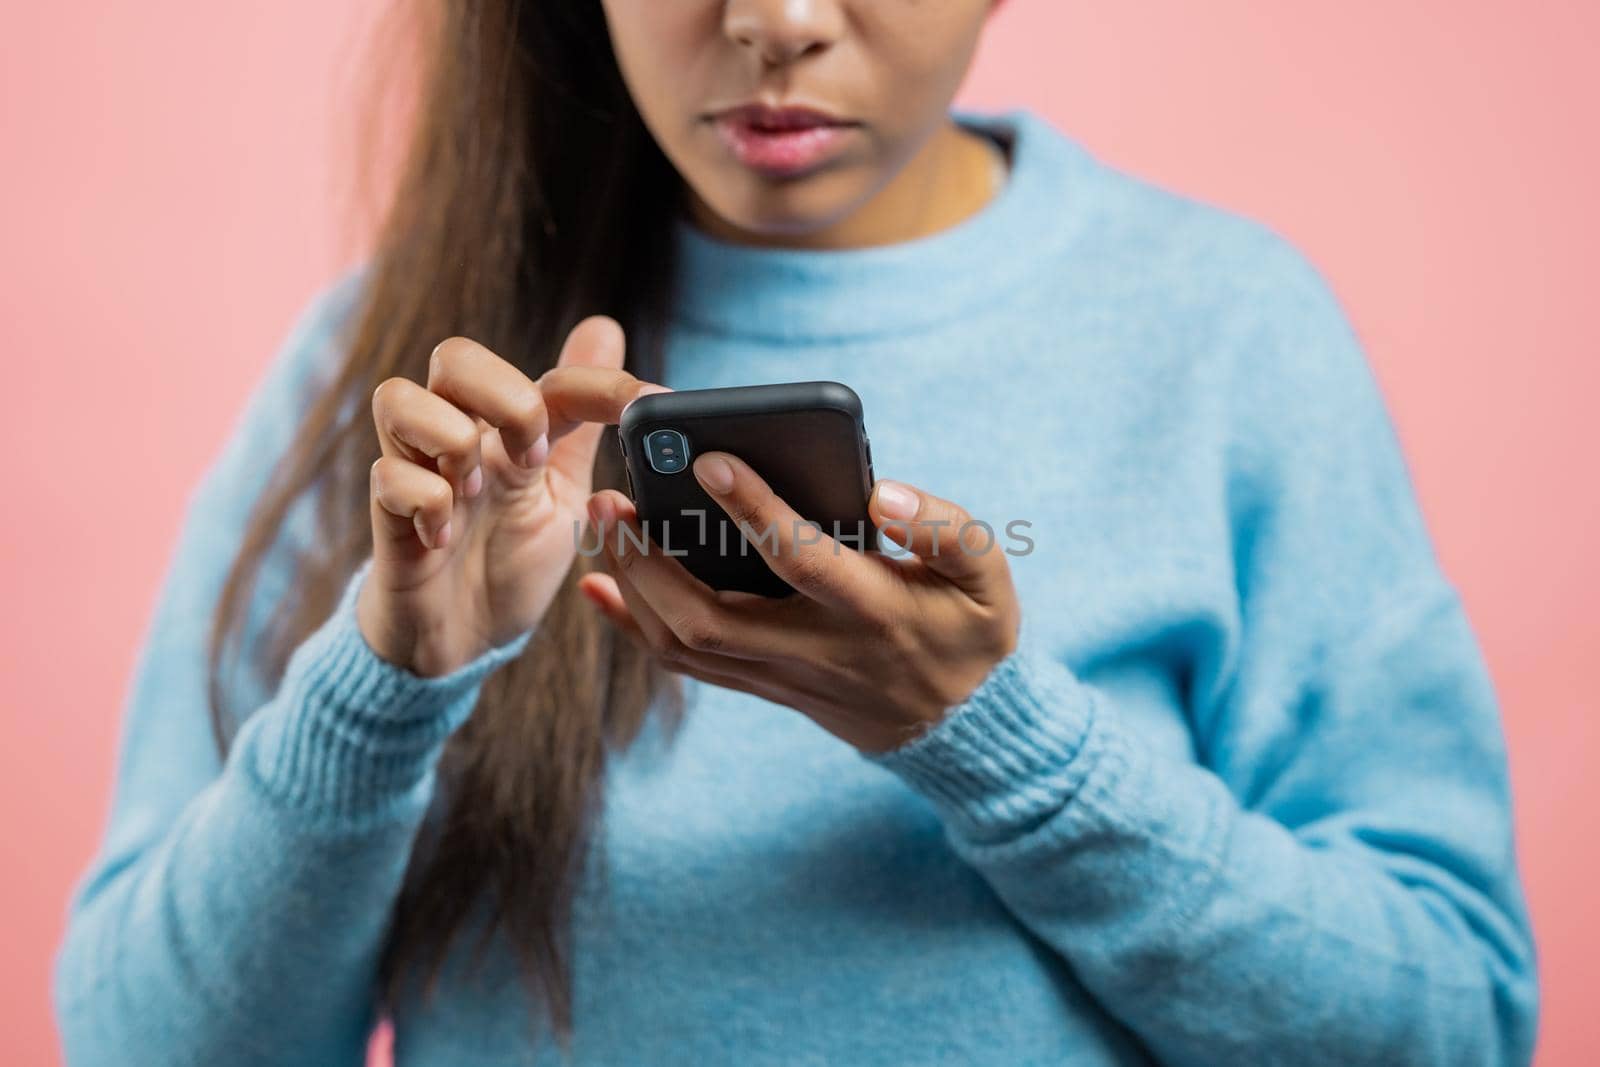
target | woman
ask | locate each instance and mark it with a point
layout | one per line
(1208, 770)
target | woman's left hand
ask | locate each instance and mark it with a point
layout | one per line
(874, 649)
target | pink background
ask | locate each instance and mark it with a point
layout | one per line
(167, 203)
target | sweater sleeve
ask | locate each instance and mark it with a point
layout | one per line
(235, 909)
(1331, 879)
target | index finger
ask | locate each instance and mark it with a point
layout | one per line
(574, 395)
(485, 386)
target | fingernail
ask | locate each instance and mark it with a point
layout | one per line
(442, 538)
(538, 453)
(474, 483)
(897, 501)
(715, 473)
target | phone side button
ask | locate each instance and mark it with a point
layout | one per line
(868, 442)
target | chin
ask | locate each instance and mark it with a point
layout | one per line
(789, 208)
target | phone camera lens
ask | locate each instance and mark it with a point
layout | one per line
(667, 451)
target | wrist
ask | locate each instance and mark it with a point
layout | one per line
(1016, 748)
(964, 687)
(427, 651)
(352, 735)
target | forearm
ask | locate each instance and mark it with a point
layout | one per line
(249, 930)
(1214, 933)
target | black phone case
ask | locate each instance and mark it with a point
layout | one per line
(805, 438)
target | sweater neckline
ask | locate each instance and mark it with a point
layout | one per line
(823, 295)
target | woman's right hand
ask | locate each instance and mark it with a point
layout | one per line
(479, 494)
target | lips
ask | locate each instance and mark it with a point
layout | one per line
(782, 141)
(780, 119)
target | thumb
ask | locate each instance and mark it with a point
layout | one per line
(941, 534)
(597, 342)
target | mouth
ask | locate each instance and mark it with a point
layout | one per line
(781, 142)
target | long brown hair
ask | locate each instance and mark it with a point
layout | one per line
(530, 195)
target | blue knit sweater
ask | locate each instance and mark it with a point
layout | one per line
(1240, 796)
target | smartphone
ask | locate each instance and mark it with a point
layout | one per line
(806, 439)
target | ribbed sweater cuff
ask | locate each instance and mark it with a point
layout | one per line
(1007, 757)
(349, 733)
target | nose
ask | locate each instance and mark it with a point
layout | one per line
(782, 31)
